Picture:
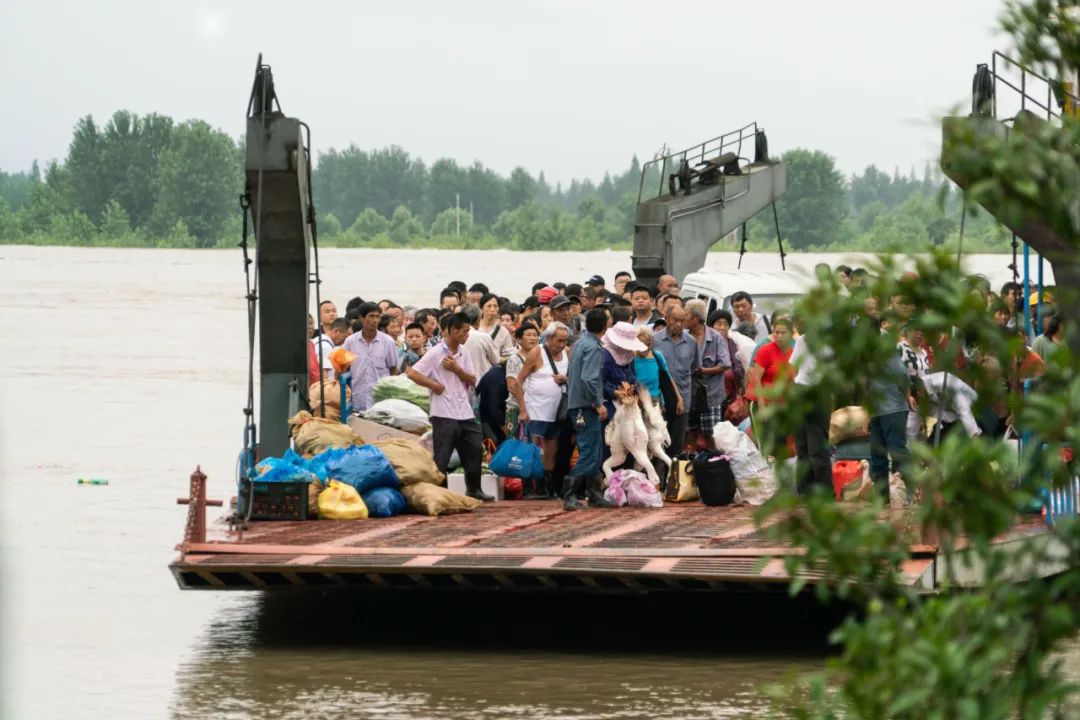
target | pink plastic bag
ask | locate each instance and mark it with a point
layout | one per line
(630, 487)
(640, 492)
(616, 489)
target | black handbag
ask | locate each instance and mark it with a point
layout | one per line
(714, 478)
(564, 403)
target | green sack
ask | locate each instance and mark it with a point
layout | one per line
(400, 387)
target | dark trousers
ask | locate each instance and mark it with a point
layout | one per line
(464, 436)
(676, 428)
(814, 464)
(888, 437)
(590, 443)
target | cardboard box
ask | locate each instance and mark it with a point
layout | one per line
(488, 483)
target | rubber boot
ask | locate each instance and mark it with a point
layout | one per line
(472, 489)
(546, 488)
(569, 493)
(530, 490)
(596, 493)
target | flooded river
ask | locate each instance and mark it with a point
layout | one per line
(129, 365)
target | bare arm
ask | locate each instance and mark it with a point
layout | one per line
(424, 381)
(753, 381)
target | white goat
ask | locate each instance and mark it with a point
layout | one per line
(637, 433)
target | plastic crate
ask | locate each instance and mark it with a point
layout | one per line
(276, 500)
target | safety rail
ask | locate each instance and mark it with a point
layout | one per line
(708, 149)
(1056, 90)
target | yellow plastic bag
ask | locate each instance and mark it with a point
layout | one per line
(341, 502)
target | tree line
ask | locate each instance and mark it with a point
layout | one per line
(151, 181)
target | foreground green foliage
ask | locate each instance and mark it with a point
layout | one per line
(981, 653)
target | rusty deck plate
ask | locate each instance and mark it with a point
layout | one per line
(517, 546)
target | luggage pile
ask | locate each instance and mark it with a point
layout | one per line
(333, 474)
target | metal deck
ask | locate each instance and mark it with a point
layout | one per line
(523, 546)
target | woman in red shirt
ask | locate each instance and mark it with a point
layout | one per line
(771, 360)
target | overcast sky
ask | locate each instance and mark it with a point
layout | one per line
(573, 88)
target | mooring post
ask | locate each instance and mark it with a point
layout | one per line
(195, 529)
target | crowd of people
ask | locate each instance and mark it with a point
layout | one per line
(551, 368)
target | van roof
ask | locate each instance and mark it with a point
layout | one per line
(761, 282)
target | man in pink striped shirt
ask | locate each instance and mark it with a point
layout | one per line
(447, 373)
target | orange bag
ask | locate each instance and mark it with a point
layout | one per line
(845, 473)
(341, 359)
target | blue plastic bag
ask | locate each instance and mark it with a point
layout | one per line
(318, 463)
(518, 459)
(384, 502)
(281, 470)
(364, 467)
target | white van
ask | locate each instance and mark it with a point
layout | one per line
(771, 290)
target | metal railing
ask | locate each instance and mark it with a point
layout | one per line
(695, 155)
(1030, 89)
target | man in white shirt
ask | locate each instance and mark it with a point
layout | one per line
(950, 401)
(326, 342)
(479, 346)
(743, 307)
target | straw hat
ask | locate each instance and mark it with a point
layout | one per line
(624, 335)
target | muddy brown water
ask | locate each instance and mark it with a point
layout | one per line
(129, 365)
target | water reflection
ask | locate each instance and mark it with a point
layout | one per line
(453, 656)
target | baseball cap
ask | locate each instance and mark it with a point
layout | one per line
(546, 294)
(595, 280)
(559, 301)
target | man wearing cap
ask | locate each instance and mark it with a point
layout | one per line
(560, 312)
(596, 284)
(681, 353)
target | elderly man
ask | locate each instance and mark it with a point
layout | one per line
(714, 360)
(376, 356)
(667, 284)
(541, 383)
(681, 353)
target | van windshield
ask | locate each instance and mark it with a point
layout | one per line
(766, 304)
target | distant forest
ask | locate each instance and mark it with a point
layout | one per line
(152, 182)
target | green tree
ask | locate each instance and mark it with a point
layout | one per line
(329, 226)
(197, 180)
(449, 221)
(369, 224)
(521, 187)
(404, 226)
(84, 166)
(115, 223)
(9, 223)
(813, 210)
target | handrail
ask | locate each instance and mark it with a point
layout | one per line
(711, 147)
(1025, 96)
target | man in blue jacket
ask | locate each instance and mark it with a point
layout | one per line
(585, 402)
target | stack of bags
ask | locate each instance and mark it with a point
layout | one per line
(351, 480)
